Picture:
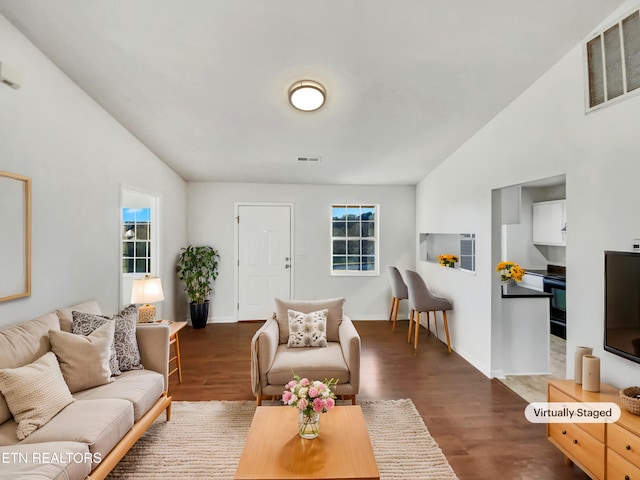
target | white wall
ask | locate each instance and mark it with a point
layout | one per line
(543, 133)
(78, 157)
(211, 221)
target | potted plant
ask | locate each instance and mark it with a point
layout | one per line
(198, 267)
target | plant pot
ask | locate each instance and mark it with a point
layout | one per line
(199, 314)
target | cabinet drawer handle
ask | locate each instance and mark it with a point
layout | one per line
(575, 441)
(628, 447)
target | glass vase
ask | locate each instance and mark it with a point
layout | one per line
(308, 424)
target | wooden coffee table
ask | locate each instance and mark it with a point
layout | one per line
(274, 450)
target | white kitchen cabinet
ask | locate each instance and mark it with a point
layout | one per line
(549, 222)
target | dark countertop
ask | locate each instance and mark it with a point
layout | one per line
(541, 273)
(515, 291)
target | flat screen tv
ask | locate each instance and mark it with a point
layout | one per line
(622, 304)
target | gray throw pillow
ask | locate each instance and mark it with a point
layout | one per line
(125, 343)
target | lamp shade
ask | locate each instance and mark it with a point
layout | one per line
(147, 290)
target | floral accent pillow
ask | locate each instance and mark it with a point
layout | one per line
(307, 329)
(125, 344)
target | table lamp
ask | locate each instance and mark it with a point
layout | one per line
(146, 290)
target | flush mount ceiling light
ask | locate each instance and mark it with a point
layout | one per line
(307, 95)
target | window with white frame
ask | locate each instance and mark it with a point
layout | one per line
(136, 240)
(613, 62)
(354, 240)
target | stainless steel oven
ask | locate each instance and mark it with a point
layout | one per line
(557, 287)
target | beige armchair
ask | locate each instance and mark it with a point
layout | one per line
(273, 362)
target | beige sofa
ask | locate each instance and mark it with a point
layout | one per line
(88, 437)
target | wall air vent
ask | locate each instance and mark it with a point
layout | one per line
(309, 159)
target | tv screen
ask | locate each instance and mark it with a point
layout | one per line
(622, 304)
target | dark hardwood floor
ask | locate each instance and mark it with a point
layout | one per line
(479, 423)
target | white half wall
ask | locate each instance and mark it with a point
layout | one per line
(78, 157)
(211, 221)
(543, 133)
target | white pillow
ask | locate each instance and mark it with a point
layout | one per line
(35, 393)
(307, 329)
(84, 360)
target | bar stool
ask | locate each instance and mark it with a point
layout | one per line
(398, 292)
(422, 300)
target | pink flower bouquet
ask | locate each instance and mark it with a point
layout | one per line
(311, 398)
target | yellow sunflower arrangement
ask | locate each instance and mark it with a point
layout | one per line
(510, 271)
(447, 260)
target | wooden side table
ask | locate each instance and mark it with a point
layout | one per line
(174, 329)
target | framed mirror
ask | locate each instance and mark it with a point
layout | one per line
(15, 236)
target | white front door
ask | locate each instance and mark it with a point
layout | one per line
(264, 259)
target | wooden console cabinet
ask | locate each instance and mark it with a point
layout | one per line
(608, 451)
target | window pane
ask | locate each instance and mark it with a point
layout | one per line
(339, 213)
(128, 231)
(353, 263)
(353, 213)
(596, 79)
(353, 229)
(141, 265)
(127, 249)
(141, 249)
(368, 263)
(613, 62)
(368, 229)
(339, 247)
(339, 263)
(127, 266)
(353, 247)
(339, 229)
(368, 247)
(631, 34)
(368, 212)
(142, 231)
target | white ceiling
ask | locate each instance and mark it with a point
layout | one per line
(203, 83)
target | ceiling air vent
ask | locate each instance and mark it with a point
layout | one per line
(309, 159)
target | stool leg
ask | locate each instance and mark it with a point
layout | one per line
(446, 329)
(395, 313)
(428, 328)
(393, 302)
(410, 326)
(415, 345)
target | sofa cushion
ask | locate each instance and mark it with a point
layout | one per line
(84, 360)
(307, 329)
(22, 344)
(142, 388)
(312, 363)
(65, 316)
(125, 344)
(334, 307)
(98, 423)
(52, 461)
(34, 393)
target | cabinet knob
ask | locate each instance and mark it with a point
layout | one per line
(628, 447)
(575, 441)
(626, 477)
(564, 432)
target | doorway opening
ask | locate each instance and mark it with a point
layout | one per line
(525, 210)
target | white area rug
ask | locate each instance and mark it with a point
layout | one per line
(204, 440)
